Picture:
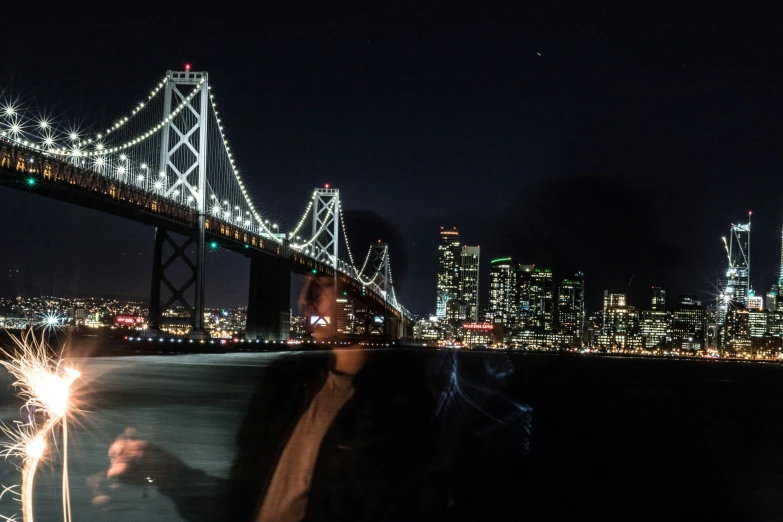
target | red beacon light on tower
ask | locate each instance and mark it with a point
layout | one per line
(326, 185)
(187, 67)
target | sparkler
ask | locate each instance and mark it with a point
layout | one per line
(44, 383)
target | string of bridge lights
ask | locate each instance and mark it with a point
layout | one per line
(16, 128)
(391, 279)
(136, 110)
(304, 217)
(234, 170)
(101, 150)
(330, 210)
(345, 235)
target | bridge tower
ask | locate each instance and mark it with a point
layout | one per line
(183, 156)
(321, 295)
(378, 322)
(326, 213)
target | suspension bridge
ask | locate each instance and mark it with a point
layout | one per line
(167, 163)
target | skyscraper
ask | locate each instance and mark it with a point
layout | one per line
(542, 299)
(571, 307)
(755, 302)
(658, 298)
(772, 298)
(524, 280)
(345, 317)
(449, 251)
(502, 291)
(469, 282)
(735, 288)
(780, 278)
(611, 300)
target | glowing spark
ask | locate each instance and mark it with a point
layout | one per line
(44, 384)
(36, 448)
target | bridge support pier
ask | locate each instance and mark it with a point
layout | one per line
(269, 300)
(178, 252)
(392, 327)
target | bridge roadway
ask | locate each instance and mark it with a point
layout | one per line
(61, 180)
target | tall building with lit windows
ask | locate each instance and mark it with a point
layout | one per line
(502, 291)
(345, 316)
(658, 298)
(735, 288)
(611, 300)
(543, 299)
(469, 282)
(449, 257)
(780, 278)
(524, 282)
(571, 307)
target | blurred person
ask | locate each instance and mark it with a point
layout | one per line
(348, 434)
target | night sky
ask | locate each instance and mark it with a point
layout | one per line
(615, 139)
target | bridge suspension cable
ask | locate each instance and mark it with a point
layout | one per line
(141, 106)
(330, 210)
(306, 214)
(345, 238)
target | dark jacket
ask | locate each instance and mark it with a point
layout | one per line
(380, 459)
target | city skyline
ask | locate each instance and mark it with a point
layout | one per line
(733, 282)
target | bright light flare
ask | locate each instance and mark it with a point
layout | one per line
(50, 389)
(44, 383)
(35, 448)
